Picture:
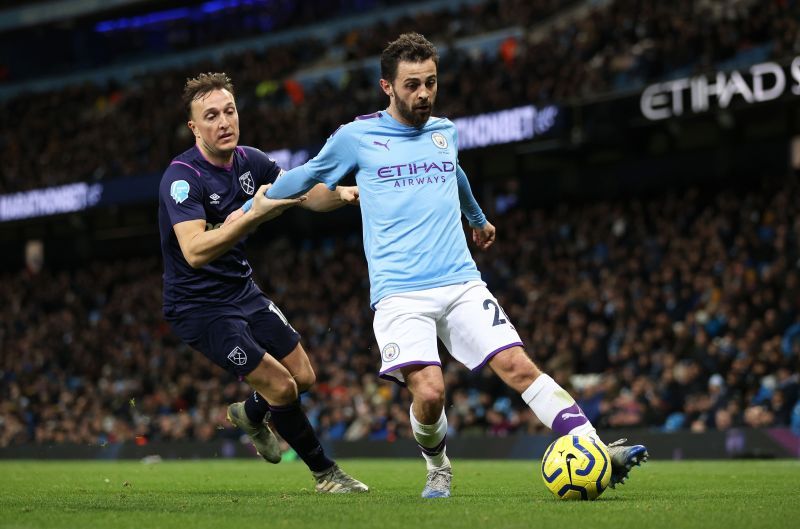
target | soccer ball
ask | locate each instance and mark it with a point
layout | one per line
(576, 468)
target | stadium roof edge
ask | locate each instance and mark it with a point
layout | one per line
(324, 31)
(32, 15)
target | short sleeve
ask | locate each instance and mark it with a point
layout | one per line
(181, 194)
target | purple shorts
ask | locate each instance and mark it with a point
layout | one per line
(235, 337)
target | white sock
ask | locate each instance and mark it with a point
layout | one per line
(557, 409)
(431, 440)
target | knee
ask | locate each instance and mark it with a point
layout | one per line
(523, 369)
(278, 388)
(515, 368)
(305, 380)
(284, 389)
(430, 396)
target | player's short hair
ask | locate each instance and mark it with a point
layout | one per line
(204, 83)
(409, 47)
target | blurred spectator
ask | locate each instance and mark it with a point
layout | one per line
(94, 132)
(677, 322)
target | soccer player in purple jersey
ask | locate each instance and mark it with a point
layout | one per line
(210, 298)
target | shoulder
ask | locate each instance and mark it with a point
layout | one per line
(181, 175)
(252, 153)
(435, 123)
(178, 169)
(359, 125)
(441, 126)
(348, 138)
(257, 160)
(183, 164)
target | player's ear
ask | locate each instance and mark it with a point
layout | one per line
(386, 86)
(193, 128)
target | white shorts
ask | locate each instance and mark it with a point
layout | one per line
(466, 317)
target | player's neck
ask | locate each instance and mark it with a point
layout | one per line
(223, 160)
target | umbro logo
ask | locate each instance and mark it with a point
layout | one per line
(214, 198)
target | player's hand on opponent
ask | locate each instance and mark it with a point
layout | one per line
(265, 209)
(348, 194)
(483, 237)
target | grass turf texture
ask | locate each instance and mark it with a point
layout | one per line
(502, 494)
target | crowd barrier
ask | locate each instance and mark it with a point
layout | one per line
(769, 443)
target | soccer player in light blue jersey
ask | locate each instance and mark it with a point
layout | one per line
(424, 282)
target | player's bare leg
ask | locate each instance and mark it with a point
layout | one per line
(299, 366)
(557, 409)
(269, 383)
(429, 423)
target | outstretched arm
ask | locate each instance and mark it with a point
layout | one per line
(331, 164)
(200, 246)
(289, 185)
(322, 199)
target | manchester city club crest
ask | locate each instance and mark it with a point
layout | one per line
(246, 181)
(390, 352)
(439, 140)
(237, 356)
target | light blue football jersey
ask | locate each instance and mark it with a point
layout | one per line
(412, 193)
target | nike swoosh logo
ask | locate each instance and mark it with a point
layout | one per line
(565, 416)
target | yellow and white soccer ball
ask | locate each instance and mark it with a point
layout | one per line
(576, 468)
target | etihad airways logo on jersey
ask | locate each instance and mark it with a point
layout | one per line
(421, 173)
(415, 169)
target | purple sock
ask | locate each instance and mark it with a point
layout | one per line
(569, 419)
(556, 408)
(256, 408)
(436, 450)
(291, 423)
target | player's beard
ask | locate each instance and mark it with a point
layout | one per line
(415, 117)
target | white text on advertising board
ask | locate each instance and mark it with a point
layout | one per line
(762, 82)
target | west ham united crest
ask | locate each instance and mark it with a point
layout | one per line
(246, 181)
(237, 356)
(439, 140)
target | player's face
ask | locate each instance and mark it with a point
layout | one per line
(215, 123)
(413, 92)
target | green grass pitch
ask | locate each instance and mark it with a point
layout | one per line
(242, 494)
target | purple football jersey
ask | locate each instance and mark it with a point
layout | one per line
(193, 188)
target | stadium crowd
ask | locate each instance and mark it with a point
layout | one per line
(676, 312)
(92, 132)
(90, 44)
